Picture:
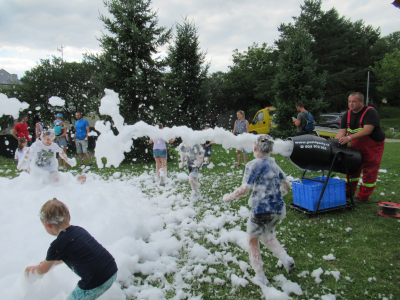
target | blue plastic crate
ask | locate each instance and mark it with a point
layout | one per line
(306, 193)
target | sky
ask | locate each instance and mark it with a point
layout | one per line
(31, 30)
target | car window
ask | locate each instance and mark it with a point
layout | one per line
(271, 112)
(260, 117)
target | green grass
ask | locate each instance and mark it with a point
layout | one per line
(370, 249)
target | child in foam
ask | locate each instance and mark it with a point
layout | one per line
(22, 148)
(160, 156)
(269, 183)
(194, 156)
(207, 146)
(78, 250)
(42, 155)
(60, 130)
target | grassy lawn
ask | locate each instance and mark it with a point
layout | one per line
(366, 246)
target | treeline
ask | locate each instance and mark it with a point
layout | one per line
(318, 59)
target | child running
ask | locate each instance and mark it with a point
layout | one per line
(78, 250)
(268, 182)
(194, 156)
(160, 156)
(43, 154)
(22, 148)
(207, 147)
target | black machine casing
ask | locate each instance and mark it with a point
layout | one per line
(311, 153)
(314, 153)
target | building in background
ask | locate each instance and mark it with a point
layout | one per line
(7, 78)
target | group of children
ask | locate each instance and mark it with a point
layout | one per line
(95, 265)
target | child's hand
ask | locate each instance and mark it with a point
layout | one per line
(30, 269)
(181, 164)
(227, 198)
(285, 187)
(72, 162)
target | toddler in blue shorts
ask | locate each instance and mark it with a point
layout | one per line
(78, 250)
(268, 183)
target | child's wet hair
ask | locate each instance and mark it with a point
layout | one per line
(50, 133)
(264, 143)
(54, 212)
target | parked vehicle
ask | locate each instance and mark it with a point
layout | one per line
(261, 123)
(330, 120)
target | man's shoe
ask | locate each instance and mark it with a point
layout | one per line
(91, 166)
(82, 166)
(359, 201)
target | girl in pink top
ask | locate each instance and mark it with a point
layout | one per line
(160, 156)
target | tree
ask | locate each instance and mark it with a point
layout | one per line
(251, 76)
(129, 64)
(188, 71)
(342, 48)
(72, 82)
(296, 80)
(388, 72)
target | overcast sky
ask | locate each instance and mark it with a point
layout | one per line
(34, 29)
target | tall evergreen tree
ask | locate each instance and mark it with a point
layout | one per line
(128, 64)
(297, 80)
(188, 71)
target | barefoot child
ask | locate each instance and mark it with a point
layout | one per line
(268, 182)
(194, 156)
(43, 153)
(78, 250)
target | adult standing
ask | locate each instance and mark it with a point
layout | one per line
(21, 130)
(301, 120)
(364, 132)
(241, 126)
(81, 137)
(160, 156)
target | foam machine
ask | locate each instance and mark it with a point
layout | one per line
(312, 153)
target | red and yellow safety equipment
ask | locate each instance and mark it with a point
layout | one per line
(371, 153)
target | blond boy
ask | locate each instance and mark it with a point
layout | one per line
(78, 250)
(268, 182)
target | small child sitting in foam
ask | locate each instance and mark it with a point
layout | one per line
(268, 182)
(43, 154)
(194, 156)
(78, 250)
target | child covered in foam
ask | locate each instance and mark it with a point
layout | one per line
(269, 183)
(78, 250)
(42, 156)
(194, 157)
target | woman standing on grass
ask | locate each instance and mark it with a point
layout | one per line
(241, 126)
(160, 156)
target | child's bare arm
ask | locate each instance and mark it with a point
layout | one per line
(241, 191)
(71, 162)
(285, 187)
(42, 268)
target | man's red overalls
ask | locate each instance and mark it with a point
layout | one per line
(371, 153)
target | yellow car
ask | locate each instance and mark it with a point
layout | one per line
(261, 123)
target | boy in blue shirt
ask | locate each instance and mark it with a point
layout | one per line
(78, 250)
(268, 182)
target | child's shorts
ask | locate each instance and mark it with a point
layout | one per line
(207, 151)
(194, 171)
(160, 153)
(79, 294)
(264, 224)
(242, 149)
